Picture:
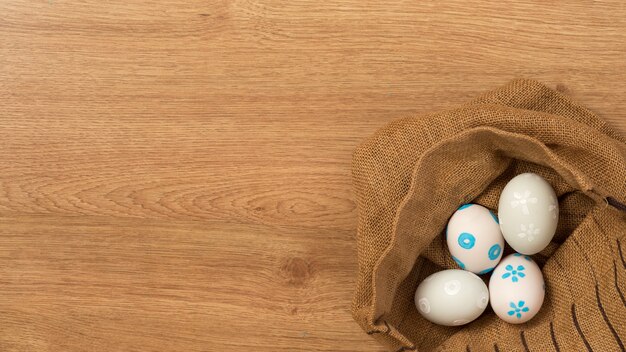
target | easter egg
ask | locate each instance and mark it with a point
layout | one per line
(474, 238)
(528, 211)
(451, 297)
(516, 289)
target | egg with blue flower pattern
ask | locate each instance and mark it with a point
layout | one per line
(516, 289)
(474, 238)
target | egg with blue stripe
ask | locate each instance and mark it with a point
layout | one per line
(474, 238)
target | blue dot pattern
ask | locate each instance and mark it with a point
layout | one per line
(494, 251)
(486, 271)
(464, 206)
(467, 240)
(460, 263)
(495, 218)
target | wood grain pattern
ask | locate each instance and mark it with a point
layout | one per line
(176, 176)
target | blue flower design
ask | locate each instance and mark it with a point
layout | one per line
(518, 309)
(525, 257)
(514, 273)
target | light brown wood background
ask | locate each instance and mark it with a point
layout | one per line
(175, 176)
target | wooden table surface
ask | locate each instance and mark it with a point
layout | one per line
(175, 176)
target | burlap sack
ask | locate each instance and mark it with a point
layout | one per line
(410, 177)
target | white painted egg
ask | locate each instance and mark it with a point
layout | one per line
(451, 297)
(516, 289)
(474, 238)
(528, 211)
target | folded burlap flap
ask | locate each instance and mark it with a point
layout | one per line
(411, 175)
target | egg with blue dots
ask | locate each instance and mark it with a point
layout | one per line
(474, 238)
(516, 289)
(451, 297)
